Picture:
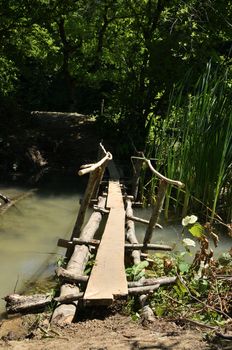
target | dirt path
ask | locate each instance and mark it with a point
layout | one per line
(115, 332)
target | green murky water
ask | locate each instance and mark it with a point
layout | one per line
(29, 233)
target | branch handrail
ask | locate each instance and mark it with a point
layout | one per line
(89, 168)
(162, 177)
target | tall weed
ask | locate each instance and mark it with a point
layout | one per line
(194, 144)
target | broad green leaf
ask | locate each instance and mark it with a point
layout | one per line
(197, 230)
(138, 268)
(183, 267)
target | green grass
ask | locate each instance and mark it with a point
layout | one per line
(194, 145)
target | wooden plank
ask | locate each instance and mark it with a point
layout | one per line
(108, 278)
(113, 171)
(114, 198)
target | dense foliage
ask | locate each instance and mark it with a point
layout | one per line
(128, 52)
(73, 55)
(202, 290)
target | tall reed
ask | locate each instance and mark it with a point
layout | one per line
(195, 143)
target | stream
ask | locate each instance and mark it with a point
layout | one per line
(30, 230)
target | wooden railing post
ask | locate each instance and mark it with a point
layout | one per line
(156, 210)
(101, 153)
(136, 176)
(96, 173)
(85, 203)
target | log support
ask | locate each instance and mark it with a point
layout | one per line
(146, 311)
(85, 203)
(64, 313)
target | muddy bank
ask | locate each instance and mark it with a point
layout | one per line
(113, 332)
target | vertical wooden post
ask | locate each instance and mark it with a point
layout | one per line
(146, 312)
(102, 168)
(156, 210)
(93, 177)
(130, 233)
(136, 175)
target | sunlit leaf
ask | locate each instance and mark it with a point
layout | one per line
(197, 230)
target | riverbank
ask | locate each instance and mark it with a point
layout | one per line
(106, 330)
(109, 332)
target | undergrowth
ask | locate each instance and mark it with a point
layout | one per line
(202, 291)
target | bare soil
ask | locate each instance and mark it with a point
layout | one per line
(113, 332)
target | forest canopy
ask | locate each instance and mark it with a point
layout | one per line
(152, 62)
(70, 55)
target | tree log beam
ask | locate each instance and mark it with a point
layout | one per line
(26, 303)
(152, 281)
(143, 221)
(64, 313)
(71, 277)
(137, 246)
(69, 298)
(101, 210)
(64, 243)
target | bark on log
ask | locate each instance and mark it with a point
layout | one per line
(142, 290)
(136, 176)
(71, 277)
(147, 247)
(95, 166)
(77, 241)
(143, 221)
(69, 298)
(146, 311)
(103, 211)
(159, 175)
(130, 232)
(85, 203)
(30, 303)
(65, 313)
(152, 281)
(132, 291)
(101, 153)
(26, 303)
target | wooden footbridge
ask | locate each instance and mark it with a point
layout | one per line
(112, 214)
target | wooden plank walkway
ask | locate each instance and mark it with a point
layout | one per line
(108, 278)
